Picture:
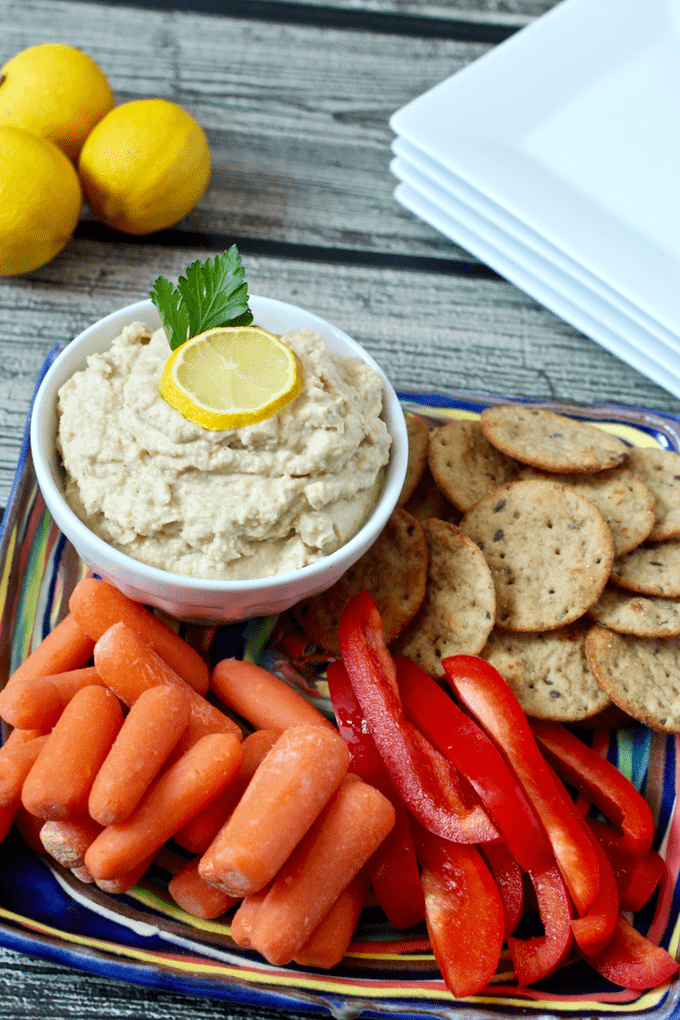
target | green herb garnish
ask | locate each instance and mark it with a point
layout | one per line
(213, 293)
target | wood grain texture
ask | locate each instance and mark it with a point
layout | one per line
(296, 116)
(431, 331)
(298, 122)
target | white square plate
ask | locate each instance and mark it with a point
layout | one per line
(554, 290)
(571, 127)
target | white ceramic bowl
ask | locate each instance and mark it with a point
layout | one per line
(184, 597)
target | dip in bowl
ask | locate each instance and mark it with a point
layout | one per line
(192, 598)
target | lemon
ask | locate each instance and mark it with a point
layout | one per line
(231, 376)
(144, 166)
(40, 201)
(54, 91)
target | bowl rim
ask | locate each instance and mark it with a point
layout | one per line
(140, 311)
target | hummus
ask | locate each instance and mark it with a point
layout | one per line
(245, 503)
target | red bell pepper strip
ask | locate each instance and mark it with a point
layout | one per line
(594, 930)
(393, 867)
(464, 913)
(466, 745)
(632, 961)
(508, 875)
(424, 779)
(485, 694)
(536, 958)
(636, 879)
(611, 791)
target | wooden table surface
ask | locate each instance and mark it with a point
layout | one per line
(295, 98)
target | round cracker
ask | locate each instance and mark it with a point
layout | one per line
(549, 550)
(551, 441)
(626, 503)
(457, 613)
(640, 675)
(548, 672)
(660, 472)
(630, 613)
(650, 570)
(465, 465)
(393, 570)
(418, 440)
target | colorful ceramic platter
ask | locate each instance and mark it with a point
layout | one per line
(142, 937)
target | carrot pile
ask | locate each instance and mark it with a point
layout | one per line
(107, 762)
(289, 826)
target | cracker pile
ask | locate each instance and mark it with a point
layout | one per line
(546, 545)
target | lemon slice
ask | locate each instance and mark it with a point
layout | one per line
(231, 376)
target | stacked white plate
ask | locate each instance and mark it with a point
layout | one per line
(555, 159)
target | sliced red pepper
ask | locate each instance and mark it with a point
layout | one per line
(393, 867)
(424, 779)
(539, 957)
(611, 791)
(636, 879)
(466, 745)
(594, 930)
(632, 961)
(464, 913)
(485, 694)
(508, 875)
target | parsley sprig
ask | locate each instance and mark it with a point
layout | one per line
(213, 293)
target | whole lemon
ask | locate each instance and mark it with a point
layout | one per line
(144, 166)
(40, 200)
(54, 91)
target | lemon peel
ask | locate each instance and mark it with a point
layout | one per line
(231, 376)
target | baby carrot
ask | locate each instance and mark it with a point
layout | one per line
(192, 894)
(286, 794)
(243, 920)
(151, 729)
(7, 818)
(351, 826)
(28, 826)
(67, 841)
(38, 702)
(199, 833)
(97, 604)
(128, 666)
(266, 701)
(59, 783)
(121, 884)
(20, 736)
(16, 761)
(31, 703)
(328, 943)
(82, 874)
(65, 647)
(180, 793)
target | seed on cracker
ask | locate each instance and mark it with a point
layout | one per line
(457, 613)
(418, 440)
(549, 550)
(630, 613)
(626, 503)
(640, 675)
(660, 472)
(551, 441)
(548, 672)
(650, 569)
(465, 465)
(393, 570)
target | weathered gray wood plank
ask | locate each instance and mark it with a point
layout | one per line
(297, 121)
(498, 12)
(429, 330)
